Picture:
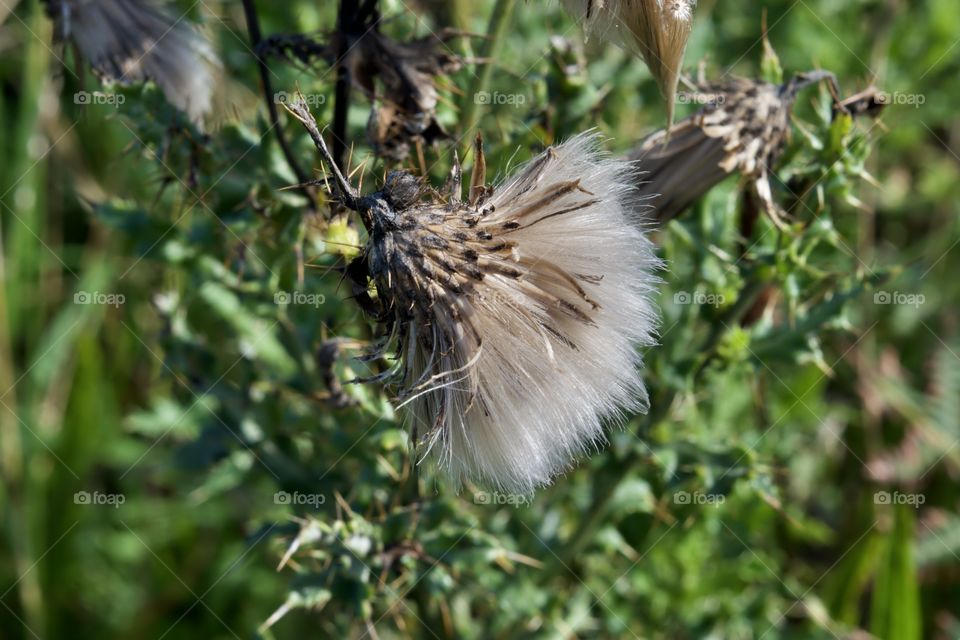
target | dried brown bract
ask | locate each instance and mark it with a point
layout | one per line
(400, 79)
(405, 103)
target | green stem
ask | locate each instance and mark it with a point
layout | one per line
(20, 272)
(495, 30)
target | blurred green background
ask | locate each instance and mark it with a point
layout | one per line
(167, 439)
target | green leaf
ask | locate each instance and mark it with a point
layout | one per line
(895, 607)
(256, 335)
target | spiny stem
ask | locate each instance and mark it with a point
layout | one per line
(299, 110)
(355, 20)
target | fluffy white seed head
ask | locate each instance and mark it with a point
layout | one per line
(518, 317)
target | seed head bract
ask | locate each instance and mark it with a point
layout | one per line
(515, 315)
(400, 77)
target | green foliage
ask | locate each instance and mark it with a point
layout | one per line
(173, 465)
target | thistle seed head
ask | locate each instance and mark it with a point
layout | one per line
(742, 127)
(513, 317)
(130, 41)
(656, 30)
(517, 318)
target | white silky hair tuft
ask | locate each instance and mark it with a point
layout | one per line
(130, 41)
(545, 352)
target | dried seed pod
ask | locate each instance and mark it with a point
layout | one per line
(516, 315)
(656, 30)
(130, 41)
(742, 127)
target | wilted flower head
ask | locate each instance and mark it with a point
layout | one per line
(404, 110)
(742, 127)
(130, 41)
(657, 30)
(516, 314)
(399, 78)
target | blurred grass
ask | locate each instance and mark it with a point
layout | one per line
(196, 399)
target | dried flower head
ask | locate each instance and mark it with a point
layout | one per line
(742, 127)
(516, 314)
(656, 30)
(399, 78)
(130, 41)
(404, 110)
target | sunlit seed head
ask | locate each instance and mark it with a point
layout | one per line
(517, 319)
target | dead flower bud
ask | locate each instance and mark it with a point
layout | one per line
(515, 316)
(130, 41)
(656, 30)
(742, 127)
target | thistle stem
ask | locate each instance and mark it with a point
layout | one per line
(495, 30)
(351, 21)
(300, 111)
